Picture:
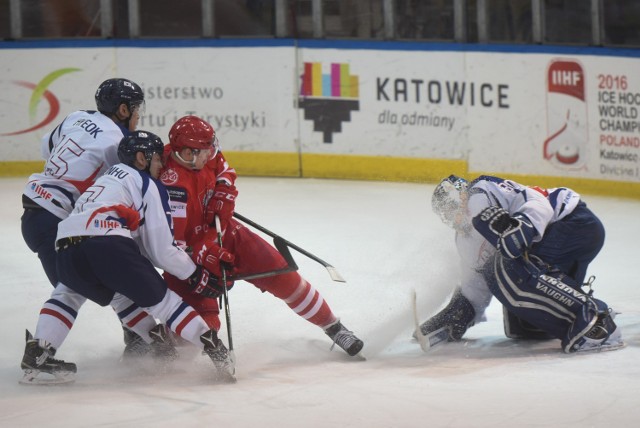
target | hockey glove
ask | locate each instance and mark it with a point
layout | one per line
(205, 284)
(213, 258)
(511, 235)
(221, 204)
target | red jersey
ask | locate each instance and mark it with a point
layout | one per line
(190, 191)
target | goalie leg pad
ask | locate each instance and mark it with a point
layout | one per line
(517, 328)
(547, 300)
(453, 321)
(593, 330)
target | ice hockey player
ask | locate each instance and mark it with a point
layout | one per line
(100, 245)
(201, 186)
(78, 151)
(529, 247)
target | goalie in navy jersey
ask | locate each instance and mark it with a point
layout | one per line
(530, 248)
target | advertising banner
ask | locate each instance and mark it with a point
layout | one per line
(552, 112)
(249, 102)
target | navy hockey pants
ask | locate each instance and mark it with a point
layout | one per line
(39, 229)
(548, 300)
(572, 243)
(98, 267)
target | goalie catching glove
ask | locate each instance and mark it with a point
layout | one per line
(511, 235)
(211, 259)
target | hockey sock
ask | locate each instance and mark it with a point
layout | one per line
(181, 318)
(133, 316)
(307, 302)
(58, 314)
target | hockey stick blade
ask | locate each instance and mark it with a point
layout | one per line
(333, 272)
(421, 338)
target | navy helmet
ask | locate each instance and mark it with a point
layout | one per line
(113, 92)
(139, 141)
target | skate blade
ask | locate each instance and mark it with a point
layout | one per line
(604, 348)
(30, 377)
(358, 357)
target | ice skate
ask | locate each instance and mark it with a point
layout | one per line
(219, 354)
(162, 346)
(344, 338)
(162, 350)
(38, 359)
(602, 333)
(605, 335)
(135, 346)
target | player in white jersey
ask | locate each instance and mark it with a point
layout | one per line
(77, 151)
(121, 228)
(507, 233)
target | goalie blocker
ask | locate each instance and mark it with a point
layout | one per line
(544, 297)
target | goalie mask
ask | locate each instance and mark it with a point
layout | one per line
(447, 200)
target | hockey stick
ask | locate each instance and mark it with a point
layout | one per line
(227, 311)
(333, 272)
(431, 340)
(282, 248)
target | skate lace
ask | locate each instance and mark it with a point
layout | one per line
(43, 358)
(45, 355)
(53, 361)
(589, 285)
(343, 338)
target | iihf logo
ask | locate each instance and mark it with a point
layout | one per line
(567, 125)
(328, 99)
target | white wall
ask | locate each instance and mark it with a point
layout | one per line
(509, 102)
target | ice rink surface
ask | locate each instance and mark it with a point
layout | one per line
(386, 242)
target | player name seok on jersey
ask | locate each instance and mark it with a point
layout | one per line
(92, 128)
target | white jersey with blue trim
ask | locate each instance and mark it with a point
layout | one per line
(104, 208)
(541, 206)
(77, 152)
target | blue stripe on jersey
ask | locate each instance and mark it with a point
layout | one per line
(164, 197)
(553, 197)
(162, 192)
(64, 307)
(490, 178)
(176, 314)
(64, 191)
(127, 311)
(145, 181)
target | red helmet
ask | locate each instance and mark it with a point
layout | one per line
(192, 132)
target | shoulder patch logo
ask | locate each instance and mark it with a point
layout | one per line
(169, 177)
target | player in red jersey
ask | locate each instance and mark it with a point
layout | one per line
(201, 185)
